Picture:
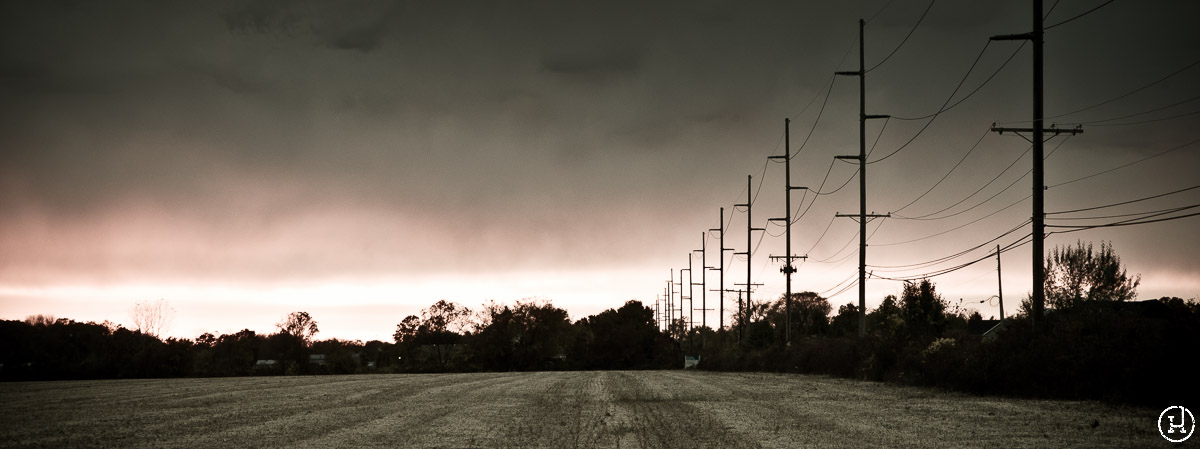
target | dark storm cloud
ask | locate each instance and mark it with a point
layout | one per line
(477, 126)
(359, 26)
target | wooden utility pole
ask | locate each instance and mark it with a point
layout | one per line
(787, 269)
(749, 243)
(999, 282)
(689, 296)
(721, 287)
(862, 181)
(703, 273)
(1039, 174)
(671, 302)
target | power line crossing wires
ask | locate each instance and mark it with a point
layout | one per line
(1078, 16)
(1152, 156)
(950, 98)
(1126, 94)
(910, 33)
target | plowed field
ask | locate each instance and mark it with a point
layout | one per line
(667, 409)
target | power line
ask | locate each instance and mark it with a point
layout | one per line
(964, 80)
(910, 33)
(1125, 202)
(939, 182)
(1129, 222)
(1125, 165)
(976, 192)
(1143, 214)
(944, 108)
(820, 112)
(952, 256)
(1126, 94)
(1016, 244)
(1080, 15)
(985, 201)
(1093, 122)
(958, 227)
(1150, 120)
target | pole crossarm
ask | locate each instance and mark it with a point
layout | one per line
(866, 217)
(1053, 130)
(1013, 37)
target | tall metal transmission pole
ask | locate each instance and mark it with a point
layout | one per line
(862, 181)
(749, 242)
(1039, 174)
(721, 287)
(787, 269)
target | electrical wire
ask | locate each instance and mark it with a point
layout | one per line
(1129, 222)
(1124, 165)
(944, 107)
(1080, 15)
(955, 167)
(1093, 122)
(1125, 202)
(910, 33)
(1144, 214)
(1126, 94)
(1016, 244)
(985, 201)
(976, 192)
(963, 81)
(957, 227)
(951, 256)
(1150, 120)
(820, 112)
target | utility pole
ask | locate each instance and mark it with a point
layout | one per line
(657, 299)
(862, 181)
(671, 303)
(749, 243)
(703, 272)
(721, 287)
(999, 282)
(1039, 174)
(691, 293)
(787, 269)
(688, 323)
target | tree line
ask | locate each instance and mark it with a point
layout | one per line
(1095, 341)
(528, 335)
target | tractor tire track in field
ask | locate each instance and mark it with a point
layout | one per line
(610, 409)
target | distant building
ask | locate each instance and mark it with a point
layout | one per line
(316, 359)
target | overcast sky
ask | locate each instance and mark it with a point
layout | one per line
(360, 160)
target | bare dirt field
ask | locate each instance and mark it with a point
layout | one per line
(669, 409)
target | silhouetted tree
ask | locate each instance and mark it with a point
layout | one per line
(621, 339)
(300, 325)
(153, 317)
(810, 314)
(527, 336)
(846, 320)
(923, 309)
(887, 320)
(1076, 273)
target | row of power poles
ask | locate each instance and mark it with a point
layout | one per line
(666, 312)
